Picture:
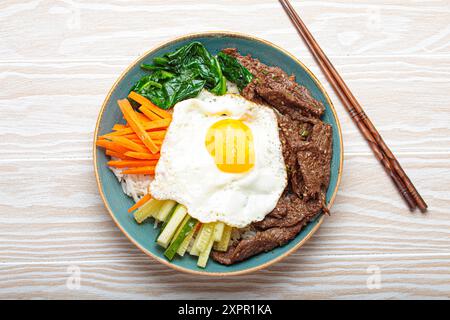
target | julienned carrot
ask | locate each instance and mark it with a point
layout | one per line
(157, 135)
(142, 117)
(151, 125)
(157, 124)
(145, 102)
(142, 155)
(141, 201)
(117, 155)
(132, 163)
(157, 142)
(118, 126)
(149, 113)
(111, 146)
(141, 170)
(127, 143)
(136, 125)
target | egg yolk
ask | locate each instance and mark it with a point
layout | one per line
(230, 143)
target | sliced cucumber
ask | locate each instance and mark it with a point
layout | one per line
(204, 255)
(169, 216)
(180, 227)
(192, 250)
(147, 210)
(218, 231)
(178, 239)
(222, 245)
(185, 244)
(172, 225)
(165, 210)
(203, 237)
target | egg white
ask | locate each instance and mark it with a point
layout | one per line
(186, 172)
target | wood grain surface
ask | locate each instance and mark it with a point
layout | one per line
(58, 59)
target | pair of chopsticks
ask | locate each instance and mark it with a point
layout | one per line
(368, 130)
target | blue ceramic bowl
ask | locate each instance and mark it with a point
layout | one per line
(117, 202)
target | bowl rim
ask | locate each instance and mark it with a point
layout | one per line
(216, 34)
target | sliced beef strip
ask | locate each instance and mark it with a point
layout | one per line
(309, 169)
(276, 87)
(307, 158)
(313, 160)
(290, 211)
(263, 241)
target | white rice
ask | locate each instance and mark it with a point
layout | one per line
(133, 185)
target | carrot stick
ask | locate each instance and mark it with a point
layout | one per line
(111, 146)
(132, 163)
(151, 125)
(138, 204)
(149, 113)
(145, 102)
(139, 142)
(142, 117)
(117, 155)
(157, 135)
(157, 124)
(129, 144)
(131, 136)
(141, 170)
(118, 126)
(136, 125)
(142, 155)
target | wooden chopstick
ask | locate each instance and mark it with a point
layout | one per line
(378, 146)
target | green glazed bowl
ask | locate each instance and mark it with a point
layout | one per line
(117, 203)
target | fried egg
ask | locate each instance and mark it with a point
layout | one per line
(222, 159)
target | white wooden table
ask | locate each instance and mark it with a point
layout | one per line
(58, 60)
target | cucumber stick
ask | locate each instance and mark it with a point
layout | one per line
(222, 245)
(185, 244)
(203, 237)
(180, 227)
(193, 251)
(185, 228)
(169, 216)
(172, 225)
(204, 255)
(147, 210)
(165, 210)
(218, 231)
